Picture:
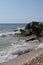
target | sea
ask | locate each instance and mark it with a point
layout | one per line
(12, 44)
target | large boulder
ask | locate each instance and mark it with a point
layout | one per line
(32, 37)
(41, 25)
(22, 31)
(41, 39)
(36, 30)
(33, 28)
(30, 25)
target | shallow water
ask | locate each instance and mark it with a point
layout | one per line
(11, 45)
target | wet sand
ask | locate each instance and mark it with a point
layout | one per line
(27, 59)
(36, 61)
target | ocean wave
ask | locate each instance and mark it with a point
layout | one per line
(5, 55)
(17, 49)
(17, 31)
(13, 51)
(40, 46)
(18, 28)
(9, 33)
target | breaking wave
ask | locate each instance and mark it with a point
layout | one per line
(17, 49)
(17, 31)
(17, 46)
(40, 45)
(9, 33)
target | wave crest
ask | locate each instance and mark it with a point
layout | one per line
(9, 33)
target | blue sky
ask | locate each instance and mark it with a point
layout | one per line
(21, 11)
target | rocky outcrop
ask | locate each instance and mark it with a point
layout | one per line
(33, 28)
(32, 37)
(36, 30)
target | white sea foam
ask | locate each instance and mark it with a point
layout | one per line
(40, 46)
(14, 49)
(18, 28)
(12, 32)
(10, 44)
(6, 54)
(9, 33)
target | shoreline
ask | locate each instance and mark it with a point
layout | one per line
(24, 58)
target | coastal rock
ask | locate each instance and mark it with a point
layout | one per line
(41, 25)
(33, 28)
(41, 39)
(41, 34)
(36, 30)
(32, 37)
(22, 31)
(30, 25)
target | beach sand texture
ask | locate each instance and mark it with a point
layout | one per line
(27, 59)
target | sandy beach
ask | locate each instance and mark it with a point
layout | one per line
(32, 58)
(21, 32)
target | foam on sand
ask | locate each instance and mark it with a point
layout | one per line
(24, 59)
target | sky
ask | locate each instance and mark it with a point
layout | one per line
(21, 11)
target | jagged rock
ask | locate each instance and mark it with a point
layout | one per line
(35, 22)
(30, 25)
(41, 34)
(41, 39)
(41, 25)
(36, 30)
(26, 32)
(29, 33)
(32, 37)
(22, 32)
(33, 28)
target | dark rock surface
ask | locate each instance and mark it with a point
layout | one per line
(33, 28)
